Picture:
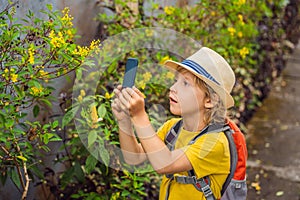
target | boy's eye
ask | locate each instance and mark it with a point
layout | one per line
(185, 83)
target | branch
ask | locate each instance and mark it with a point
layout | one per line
(9, 6)
(27, 181)
(16, 164)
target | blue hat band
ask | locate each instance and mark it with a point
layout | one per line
(200, 70)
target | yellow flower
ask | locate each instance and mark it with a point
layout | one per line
(256, 186)
(81, 51)
(240, 2)
(244, 51)
(169, 10)
(147, 76)
(108, 96)
(94, 116)
(164, 59)
(80, 98)
(141, 84)
(14, 77)
(43, 74)
(31, 55)
(67, 19)
(213, 13)
(82, 93)
(56, 40)
(240, 17)
(6, 71)
(231, 31)
(35, 91)
(240, 34)
(170, 75)
(149, 32)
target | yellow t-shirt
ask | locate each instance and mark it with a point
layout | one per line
(209, 155)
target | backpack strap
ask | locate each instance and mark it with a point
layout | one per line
(203, 184)
(233, 157)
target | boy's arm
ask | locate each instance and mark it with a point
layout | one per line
(162, 159)
(133, 151)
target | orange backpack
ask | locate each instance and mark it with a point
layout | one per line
(235, 185)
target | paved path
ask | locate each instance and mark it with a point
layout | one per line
(274, 139)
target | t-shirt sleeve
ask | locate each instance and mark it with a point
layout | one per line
(209, 155)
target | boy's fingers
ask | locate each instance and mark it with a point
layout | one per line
(137, 91)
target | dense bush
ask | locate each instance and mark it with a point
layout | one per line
(37, 51)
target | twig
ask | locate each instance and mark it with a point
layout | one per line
(27, 181)
(17, 166)
(9, 6)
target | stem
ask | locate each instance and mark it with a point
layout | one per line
(27, 181)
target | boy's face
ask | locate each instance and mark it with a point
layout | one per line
(186, 97)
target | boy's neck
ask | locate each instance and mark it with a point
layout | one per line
(193, 123)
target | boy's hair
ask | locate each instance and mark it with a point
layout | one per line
(216, 114)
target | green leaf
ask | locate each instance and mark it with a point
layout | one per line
(15, 178)
(90, 163)
(50, 7)
(36, 110)
(102, 111)
(92, 136)
(54, 124)
(78, 171)
(69, 116)
(104, 154)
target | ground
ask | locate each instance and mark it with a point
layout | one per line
(273, 139)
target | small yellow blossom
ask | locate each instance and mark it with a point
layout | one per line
(149, 32)
(170, 75)
(213, 13)
(6, 71)
(14, 77)
(107, 95)
(231, 30)
(240, 2)
(35, 91)
(244, 51)
(169, 10)
(31, 55)
(43, 74)
(147, 76)
(240, 34)
(80, 98)
(141, 84)
(240, 17)
(67, 19)
(58, 40)
(164, 59)
(81, 51)
(82, 93)
(94, 116)
(256, 186)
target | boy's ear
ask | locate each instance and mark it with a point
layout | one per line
(211, 102)
(208, 103)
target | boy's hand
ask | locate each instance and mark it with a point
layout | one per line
(118, 109)
(129, 101)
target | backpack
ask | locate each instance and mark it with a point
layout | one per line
(235, 187)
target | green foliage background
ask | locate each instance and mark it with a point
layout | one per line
(38, 51)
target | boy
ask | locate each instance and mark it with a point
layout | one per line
(201, 96)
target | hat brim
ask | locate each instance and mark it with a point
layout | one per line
(224, 95)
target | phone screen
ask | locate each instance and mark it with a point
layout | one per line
(130, 72)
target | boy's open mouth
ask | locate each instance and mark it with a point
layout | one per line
(172, 100)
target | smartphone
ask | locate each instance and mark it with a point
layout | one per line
(130, 72)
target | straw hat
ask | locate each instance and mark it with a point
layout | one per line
(213, 69)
